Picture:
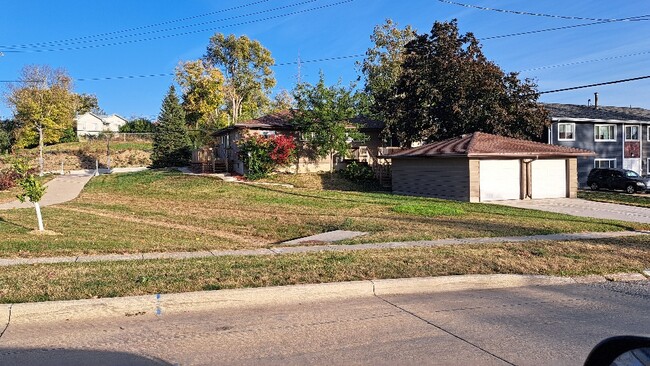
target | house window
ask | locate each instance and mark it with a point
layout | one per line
(605, 132)
(631, 133)
(605, 163)
(566, 131)
(268, 133)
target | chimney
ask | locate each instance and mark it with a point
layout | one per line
(596, 100)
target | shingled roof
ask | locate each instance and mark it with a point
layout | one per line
(282, 121)
(480, 144)
(602, 113)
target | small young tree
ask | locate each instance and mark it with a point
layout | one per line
(32, 188)
(171, 144)
(323, 116)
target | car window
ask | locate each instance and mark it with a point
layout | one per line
(631, 174)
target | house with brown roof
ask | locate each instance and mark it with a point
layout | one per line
(481, 167)
(620, 136)
(369, 151)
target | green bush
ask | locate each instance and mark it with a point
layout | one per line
(358, 172)
(69, 135)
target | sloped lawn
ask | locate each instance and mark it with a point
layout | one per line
(167, 211)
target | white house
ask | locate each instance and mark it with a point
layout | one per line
(90, 124)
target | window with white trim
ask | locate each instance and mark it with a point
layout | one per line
(648, 134)
(631, 133)
(605, 132)
(566, 131)
(605, 163)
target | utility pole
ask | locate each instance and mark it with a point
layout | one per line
(299, 75)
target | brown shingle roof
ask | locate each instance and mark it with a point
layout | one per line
(480, 144)
(278, 120)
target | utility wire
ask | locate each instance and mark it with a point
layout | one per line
(181, 34)
(123, 77)
(557, 28)
(544, 15)
(592, 85)
(585, 61)
(135, 28)
(123, 36)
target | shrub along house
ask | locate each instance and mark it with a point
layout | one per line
(620, 136)
(369, 151)
(482, 167)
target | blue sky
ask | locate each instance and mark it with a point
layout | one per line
(340, 28)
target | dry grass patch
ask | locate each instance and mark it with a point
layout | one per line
(166, 210)
(109, 279)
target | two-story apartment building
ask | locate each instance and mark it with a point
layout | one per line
(620, 136)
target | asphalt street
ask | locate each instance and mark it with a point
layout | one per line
(414, 323)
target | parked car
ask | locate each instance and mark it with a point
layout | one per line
(620, 179)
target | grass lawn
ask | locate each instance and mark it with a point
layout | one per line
(167, 211)
(640, 200)
(110, 279)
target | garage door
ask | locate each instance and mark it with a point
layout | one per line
(499, 180)
(549, 178)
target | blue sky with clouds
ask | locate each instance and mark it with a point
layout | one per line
(64, 33)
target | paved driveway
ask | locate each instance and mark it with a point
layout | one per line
(61, 189)
(580, 207)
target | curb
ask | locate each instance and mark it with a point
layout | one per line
(168, 304)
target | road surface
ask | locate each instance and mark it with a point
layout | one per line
(528, 325)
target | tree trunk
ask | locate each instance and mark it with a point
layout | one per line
(40, 151)
(37, 206)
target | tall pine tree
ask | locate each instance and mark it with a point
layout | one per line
(171, 144)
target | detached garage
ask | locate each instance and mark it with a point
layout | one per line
(481, 167)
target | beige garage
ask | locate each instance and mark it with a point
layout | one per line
(481, 167)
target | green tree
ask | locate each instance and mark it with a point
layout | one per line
(382, 66)
(85, 103)
(202, 86)
(32, 189)
(43, 105)
(171, 145)
(282, 101)
(137, 125)
(6, 127)
(447, 87)
(323, 116)
(246, 65)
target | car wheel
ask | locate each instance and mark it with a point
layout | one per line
(630, 189)
(594, 186)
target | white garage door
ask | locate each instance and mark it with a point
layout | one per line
(549, 178)
(499, 180)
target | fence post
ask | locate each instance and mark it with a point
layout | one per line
(62, 171)
(96, 167)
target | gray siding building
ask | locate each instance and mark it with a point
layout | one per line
(619, 136)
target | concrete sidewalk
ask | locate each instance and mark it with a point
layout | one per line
(64, 188)
(61, 189)
(315, 248)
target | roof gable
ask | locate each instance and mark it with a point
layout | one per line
(480, 144)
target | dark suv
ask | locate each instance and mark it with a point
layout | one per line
(622, 179)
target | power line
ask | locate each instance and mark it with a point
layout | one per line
(136, 28)
(123, 36)
(544, 15)
(597, 84)
(585, 61)
(554, 29)
(181, 34)
(126, 77)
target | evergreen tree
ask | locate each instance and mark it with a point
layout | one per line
(171, 144)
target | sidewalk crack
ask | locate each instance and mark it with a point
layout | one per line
(437, 326)
(8, 321)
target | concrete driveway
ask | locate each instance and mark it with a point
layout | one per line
(580, 207)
